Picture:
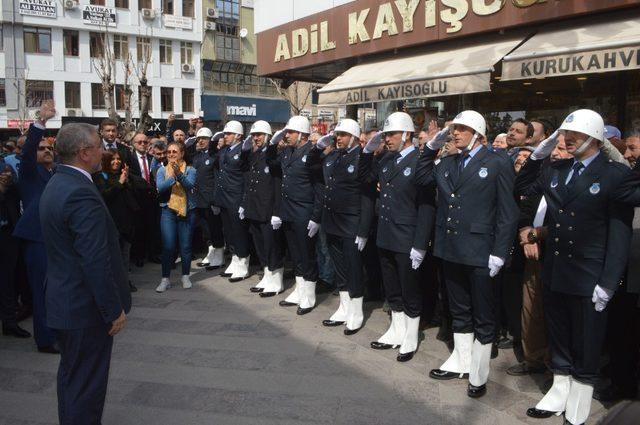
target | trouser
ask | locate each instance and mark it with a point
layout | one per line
(326, 268)
(174, 231)
(35, 256)
(236, 232)
(471, 300)
(302, 249)
(429, 277)
(211, 227)
(576, 333)
(348, 264)
(512, 302)
(401, 282)
(269, 244)
(9, 248)
(371, 263)
(83, 373)
(125, 253)
(145, 229)
(534, 333)
(623, 340)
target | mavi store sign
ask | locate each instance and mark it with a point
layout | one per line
(218, 108)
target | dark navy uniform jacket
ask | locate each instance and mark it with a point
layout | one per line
(261, 188)
(589, 231)
(232, 163)
(348, 204)
(204, 162)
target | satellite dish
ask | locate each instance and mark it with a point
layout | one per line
(244, 32)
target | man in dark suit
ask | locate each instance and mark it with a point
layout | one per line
(36, 169)
(475, 227)
(589, 233)
(87, 293)
(109, 135)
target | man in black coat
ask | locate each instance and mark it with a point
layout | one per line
(586, 255)
(109, 136)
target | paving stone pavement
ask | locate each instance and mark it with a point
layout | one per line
(218, 354)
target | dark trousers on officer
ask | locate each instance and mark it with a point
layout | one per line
(83, 374)
(35, 256)
(236, 232)
(347, 261)
(623, 341)
(9, 249)
(269, 244)
(401, 282)
(471, 300)
(302, 249)
(211, 227)
(576, 332)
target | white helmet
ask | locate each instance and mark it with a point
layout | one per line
(585, 121)
(399, 121)
(299, 123)
(350, 126)
(261, 127)
(233, 127)
(473, 120)
(204, 132)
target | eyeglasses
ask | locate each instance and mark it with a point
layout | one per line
(173, 151)
(45, 148)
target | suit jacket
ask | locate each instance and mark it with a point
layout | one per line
(123, 150)
(262, 185)
(135, 173)
(204, 163)
(589, 231)
(86, 284)
(232, 164)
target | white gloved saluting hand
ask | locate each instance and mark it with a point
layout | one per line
(601, 296)
(374, 143)
(313, 228)
(439, 139)
(361, 242)
(416, 256)
(276, 222)
(545, 147)
(324, 141)
(495, 264)
(248, 143)
(277, 137)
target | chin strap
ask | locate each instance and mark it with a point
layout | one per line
(584, 146)
(472, 142)
(353, 139)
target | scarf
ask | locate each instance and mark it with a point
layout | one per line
(178, 199)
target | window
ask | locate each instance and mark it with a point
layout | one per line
(37, 40)
(1, 39)
(187, 8)
(165, 51)
(150, 98)
(95, 45)
(37, 91)
(97, 98)
(70, 39)
(186, 52)
(144, 49)
(120, 97)
(3, 96)
(97, 2)
(167, 7)
(166, 99)
(144, 4)
(72, 95)
(227, 29)
(187, 100)
(227, 48)
(122, 4)
(235, 78)
(120, 46)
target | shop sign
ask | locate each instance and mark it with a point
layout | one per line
(173, 21)
(620, 59)
(242, 111)
(19, 123)
(305, 113)
(245, 108)
(325, 114)
(99, 15)
(42, 8)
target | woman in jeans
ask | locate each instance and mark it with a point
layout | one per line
(113, 184)
(175, 183)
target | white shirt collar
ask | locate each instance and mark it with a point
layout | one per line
(84, 172)
(406, 151)
(587, 161)
(232, 147)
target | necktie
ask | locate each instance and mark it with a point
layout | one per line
(341, 154)
(145, 169)
(576, 172)
(110, 146)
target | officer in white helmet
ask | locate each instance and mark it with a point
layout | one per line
(259, 203)
(347, 213)
(231, 161)
(475, 226)
(300, 207)
(585, 256)
(405, 220)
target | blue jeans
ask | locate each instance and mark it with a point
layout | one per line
(176, 230)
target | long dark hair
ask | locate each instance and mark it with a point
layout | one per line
(107, 157)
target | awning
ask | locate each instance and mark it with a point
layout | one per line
(445, 72)
(601, 47)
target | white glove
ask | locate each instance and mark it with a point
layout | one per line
(324, 141)
(601, 296)
(313, 228)
(276, 222)
(545, 147)
(374, 143)
(277, 137)
(361, 242)
(217, 136)
(417, 256)
(215, 210)
(439, 139)
(495, 264)
(248, 143)
(241, 213)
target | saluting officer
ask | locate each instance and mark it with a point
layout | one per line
(261, 198)
(475, 226)
(300, 207)
(405, 220)
(232, 163)
(346, 218)
(586, 255)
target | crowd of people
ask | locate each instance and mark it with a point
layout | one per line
(524, 242)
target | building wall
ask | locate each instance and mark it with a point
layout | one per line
(248, 44)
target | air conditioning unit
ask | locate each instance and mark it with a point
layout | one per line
(212, 12)
(187, 68)
(209, 26)
(74, 112)
(148, 14)
(70, 4)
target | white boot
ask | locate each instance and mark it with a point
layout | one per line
(164, 285)
(480, 363)
(186, 282)
(410, 338)
(355, 316)
(294, 296)
(241, 271)
(263, 282)
(308, 295)
(395, 333)
(232, 266)
(555, 400)
(578, 403)
(216, 258)
(460, 359)
(274, 286)
(341, 313)
(206, 261)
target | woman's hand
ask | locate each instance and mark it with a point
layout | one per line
(176, 169)
(124, 175)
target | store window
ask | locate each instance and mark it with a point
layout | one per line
(167, 7)
(96, 48)
(144, 49)
(166, 52)
(37, 91)
(120, 46)
(227, 41)
(187, 100)
(37, 40)
(186, 52)
(150, 98)
(144, 4)
(187, 8)
(97, 98)
(166, 99)
(3, 96)
(72, 95)
(236, 78)
(97, 2)
(122, 4)
(70, 39)
(120, 97)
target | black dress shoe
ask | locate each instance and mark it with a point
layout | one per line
(532, 412)
(382, 346)
(132, 287)
(223, 274)
(51, 349)
(444, 375)
(15, 330)
(348, 332)
(201, 264)
(494, 350)
(302, 311)
(209, 268)
(269, 294)
(405, 357)
(256, 290)
(475, 392)
(284, 303)
(332, 323)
